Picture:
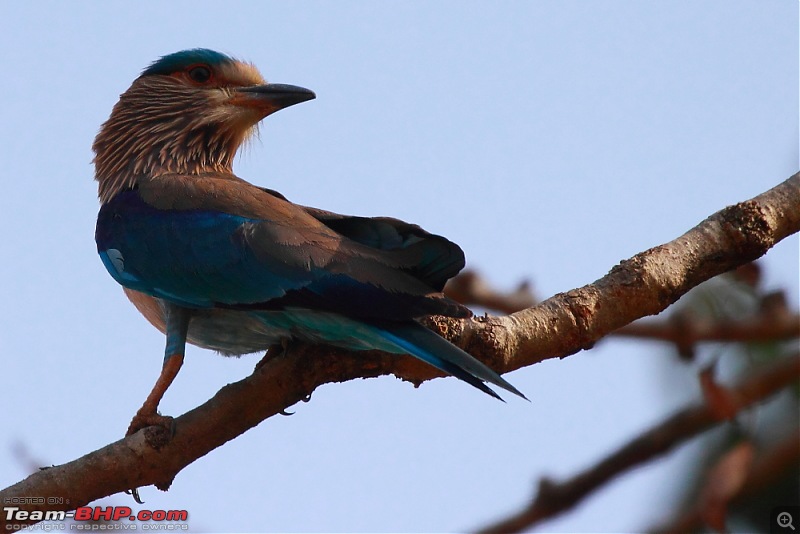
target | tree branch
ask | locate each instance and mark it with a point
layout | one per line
(756, 329)
(470, 288)
(562, 325)
(554, 498)
(643, 285)
(773, 322)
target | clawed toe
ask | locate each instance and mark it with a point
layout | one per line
(141, 421)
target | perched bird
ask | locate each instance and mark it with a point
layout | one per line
(211, 259)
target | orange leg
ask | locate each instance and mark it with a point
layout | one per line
(176, 319)
(148, 414)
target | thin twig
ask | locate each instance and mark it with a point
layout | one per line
(754, 329)
(472, 289)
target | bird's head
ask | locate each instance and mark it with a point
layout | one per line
(186, 113)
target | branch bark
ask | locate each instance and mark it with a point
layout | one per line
(562, 325)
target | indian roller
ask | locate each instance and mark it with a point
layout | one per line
(211, 259)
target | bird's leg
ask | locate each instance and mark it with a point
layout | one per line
(148, 414)
(273, 352)
(177, 325)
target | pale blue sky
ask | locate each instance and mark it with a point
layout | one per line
(549, 139)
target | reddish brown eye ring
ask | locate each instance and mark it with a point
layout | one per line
(200, 74)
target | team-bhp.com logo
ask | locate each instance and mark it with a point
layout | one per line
(156, 519)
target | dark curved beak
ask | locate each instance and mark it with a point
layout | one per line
(272, 97)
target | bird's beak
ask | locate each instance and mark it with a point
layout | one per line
(271, 97)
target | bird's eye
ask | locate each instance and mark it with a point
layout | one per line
(200, 74)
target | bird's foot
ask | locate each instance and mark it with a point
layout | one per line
(134, 492)
(144, 420)
(159, 430)
(272, 352)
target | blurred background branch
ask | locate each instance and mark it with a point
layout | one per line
(553, 498)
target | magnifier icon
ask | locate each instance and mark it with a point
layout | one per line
(785, 520)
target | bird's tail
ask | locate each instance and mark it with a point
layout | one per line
(415, 339)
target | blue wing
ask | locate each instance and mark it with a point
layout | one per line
(201, 257)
